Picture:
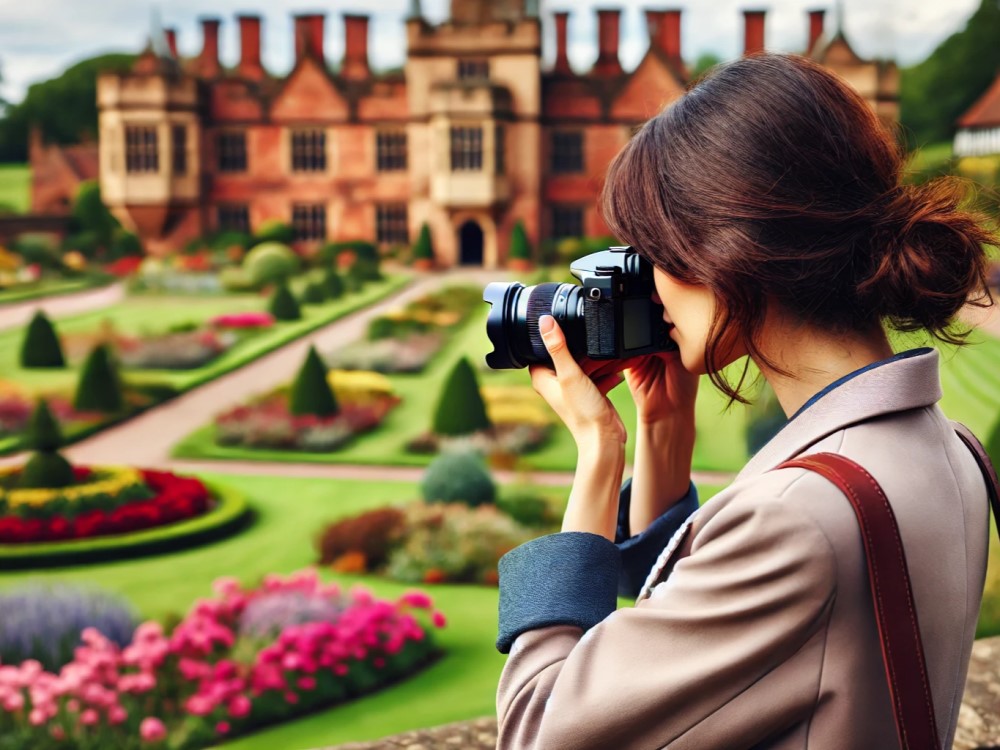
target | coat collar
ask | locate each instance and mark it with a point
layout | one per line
(898, 385)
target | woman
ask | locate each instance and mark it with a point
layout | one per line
(768, 199)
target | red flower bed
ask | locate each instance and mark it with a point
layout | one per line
(177, 498)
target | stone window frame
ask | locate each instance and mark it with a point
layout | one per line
(473, 69)
(231, 156)
(179, 148)
(563, 215)
(309, 221)
(392, 223)
(233, 217)
(466, 148)
(391, 150)
(308, 149)
(142, 149)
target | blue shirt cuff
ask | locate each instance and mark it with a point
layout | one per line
(568, 578)
(639, 552)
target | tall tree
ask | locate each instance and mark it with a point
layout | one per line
(935, 93)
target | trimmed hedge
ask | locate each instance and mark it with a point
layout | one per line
(424, 247)
(520, 247)
(99, 387)
(460, 409)
(284, 305)
(40, 346)
(231, 514)
(311, 391)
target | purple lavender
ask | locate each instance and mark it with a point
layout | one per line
(268, 615)
(44, 621)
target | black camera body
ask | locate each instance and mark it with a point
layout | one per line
(609, 315)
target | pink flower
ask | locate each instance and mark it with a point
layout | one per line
(307, 683)
(152, 730)
(222, 727)
(239, 706)
(199, 705)
(117, 714)
(14, 702)
(438, 619)
(417, 599)
(89, 717)
(291, 697)
(37, 717)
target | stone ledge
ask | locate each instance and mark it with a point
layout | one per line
(978, 719)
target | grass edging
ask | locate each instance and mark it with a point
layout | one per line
(57, 289)
(231, 514)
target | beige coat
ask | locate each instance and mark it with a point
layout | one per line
(761, 633)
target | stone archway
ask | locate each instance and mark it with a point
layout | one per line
(470, 244)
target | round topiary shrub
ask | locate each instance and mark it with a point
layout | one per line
(274, 230)
(458, 477)
(44, 622)
(311, 391)
(333, 283)
(271, 263)
(460, 409)
(283, 305)
(40, 346)
(99, 387)
(314, 294)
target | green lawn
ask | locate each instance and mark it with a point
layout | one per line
(50, 288)
(720, 445)
(15, 187)
(151, 314)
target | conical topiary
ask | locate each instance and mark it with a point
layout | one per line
(283, 304)
(47, 468)
(311, 391)
(99, 387)
(520, 248)
(460, 409)
(41, 347)
(424, 249)
(333, 283)
(314, 294)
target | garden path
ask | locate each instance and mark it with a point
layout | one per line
(61, 305)
(146, 440)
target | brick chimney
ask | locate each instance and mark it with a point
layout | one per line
(608, 34)
(754, 36)
(309, 36)
(665, 31)
(171, 35)
(562, 54)
(250, 66)
(208, 61)
(816, 18)
(355, 47)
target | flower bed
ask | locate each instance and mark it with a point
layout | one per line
(429, 543)
(365, 399)
(103, 502)
(246, 658)
(185, 347)
(16, 408)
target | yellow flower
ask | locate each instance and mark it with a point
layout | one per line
(109, 481)
(359, 385)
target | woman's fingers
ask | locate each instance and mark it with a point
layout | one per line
(608, 382)
(567, 369)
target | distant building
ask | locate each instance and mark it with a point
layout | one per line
(470, 137)
(56, 173)
(978, 131)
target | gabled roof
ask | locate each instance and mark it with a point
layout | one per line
(825, 44)
(985, 112)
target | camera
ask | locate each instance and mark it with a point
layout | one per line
(609, 315)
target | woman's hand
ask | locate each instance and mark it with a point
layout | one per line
(661, 388)
(581, 402)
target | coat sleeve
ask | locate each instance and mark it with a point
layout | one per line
(756, 586)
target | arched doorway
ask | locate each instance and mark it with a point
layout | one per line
(470, 243)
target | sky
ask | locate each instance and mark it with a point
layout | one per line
(40, 38)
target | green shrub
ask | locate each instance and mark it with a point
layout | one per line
(86, 243)
(527, 508)
(314, 294)
(271, 263)
(424, 248)
(362, 250)
(355, 278)
(520, 248)
(460, 409)
(47, 468)
(37, 248)
(333, 283)
(235, 279)
(372, 533)
(381, 328)
(226, 240)
(274, 230)
(283, 305)
(764, 418)
(458, 477)
(40, 346)
(99, 388)
(311, 391)
(93, 216)
(125, 244)
(367, 270)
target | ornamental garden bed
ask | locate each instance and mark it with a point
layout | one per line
(246, 658)
(233, 343)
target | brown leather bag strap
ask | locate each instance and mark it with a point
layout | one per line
(895, 613)
(985, 466)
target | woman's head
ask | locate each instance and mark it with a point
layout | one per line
(772, 184)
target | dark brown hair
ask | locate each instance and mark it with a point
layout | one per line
(773, 180)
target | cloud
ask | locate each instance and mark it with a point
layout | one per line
(38, 39)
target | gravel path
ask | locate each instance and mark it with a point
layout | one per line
(61, 305)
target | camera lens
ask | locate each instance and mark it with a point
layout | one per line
(512, 325)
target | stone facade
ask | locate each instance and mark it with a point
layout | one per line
(471, 136)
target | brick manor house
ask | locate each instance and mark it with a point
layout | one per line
(471, 136)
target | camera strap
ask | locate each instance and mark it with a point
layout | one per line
(892, 592)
